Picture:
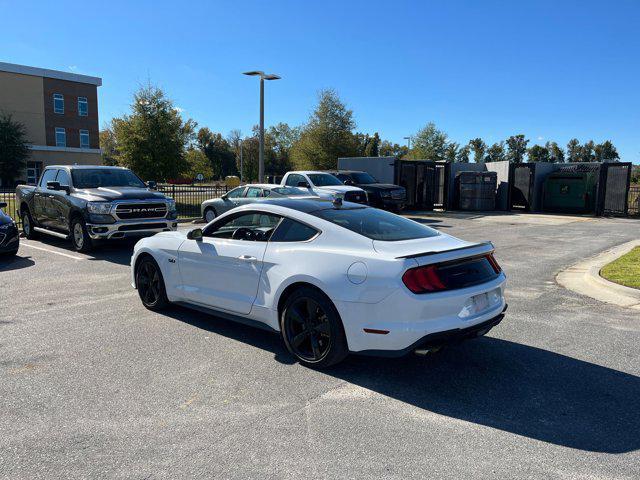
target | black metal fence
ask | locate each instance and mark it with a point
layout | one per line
(634, 200)
(189, 197)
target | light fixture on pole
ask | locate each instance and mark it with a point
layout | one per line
(408, 139)
(263, 77)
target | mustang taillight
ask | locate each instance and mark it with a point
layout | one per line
(451, 275)
(494, 263)
(423, 279)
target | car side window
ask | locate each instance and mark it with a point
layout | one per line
(253, 192)
(250, 226)
(293, 180)
(235, 193)
(49, 175)
(293, 231)
(63, 178)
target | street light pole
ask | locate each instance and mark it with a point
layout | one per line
(263, 77)
(408, 139)
(241, 166)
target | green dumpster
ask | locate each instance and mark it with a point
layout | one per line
(570, 192)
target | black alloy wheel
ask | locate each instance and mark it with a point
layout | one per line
(312, 329)
(150, 285)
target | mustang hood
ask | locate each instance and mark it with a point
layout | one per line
(432, 249)
(111, 194)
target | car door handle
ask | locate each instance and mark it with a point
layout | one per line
(247, 258)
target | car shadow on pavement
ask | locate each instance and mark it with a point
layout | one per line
(115, 251)
(431, 222)
(505, 385)
(15, 263)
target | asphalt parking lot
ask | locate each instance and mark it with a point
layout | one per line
(92, 385)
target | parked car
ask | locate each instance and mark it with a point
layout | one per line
(9, 234)
(88, 203)
(380, 195)
(324, 185)
(246, 194)
(331, 277)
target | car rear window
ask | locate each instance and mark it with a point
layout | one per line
(376, 224)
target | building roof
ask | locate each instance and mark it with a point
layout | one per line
(46, 73)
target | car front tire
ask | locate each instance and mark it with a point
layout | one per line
(79, 236)
(209, 214)
(150, 285)
(312, 329)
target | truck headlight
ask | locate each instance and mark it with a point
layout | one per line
(171, 204)
(100, 208)
(385, 194)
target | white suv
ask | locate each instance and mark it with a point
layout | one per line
(324, 185)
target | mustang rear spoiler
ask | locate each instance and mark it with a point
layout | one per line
(426, 254)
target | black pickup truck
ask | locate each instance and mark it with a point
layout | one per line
(91, 203)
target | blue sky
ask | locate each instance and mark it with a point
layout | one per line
(552, 70)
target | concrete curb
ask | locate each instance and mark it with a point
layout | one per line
(584, 278)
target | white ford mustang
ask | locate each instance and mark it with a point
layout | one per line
(332, 277)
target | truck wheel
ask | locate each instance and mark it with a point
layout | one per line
(27, 225)
(79, 236)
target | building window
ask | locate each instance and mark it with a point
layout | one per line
(84, 138)
(61, 137)
(83, 107)
(33, 172)
(58, 103)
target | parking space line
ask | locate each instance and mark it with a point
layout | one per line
(23, 244)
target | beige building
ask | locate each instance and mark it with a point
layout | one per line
(59, 111)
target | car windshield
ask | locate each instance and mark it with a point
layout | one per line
(376, 224)
(289, 191)
(363, 178)
(323, 179)
(105, 177)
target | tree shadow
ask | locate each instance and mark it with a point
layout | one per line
(513, 387)
(16, 262)
(428, 221)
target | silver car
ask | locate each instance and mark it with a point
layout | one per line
(245, 194)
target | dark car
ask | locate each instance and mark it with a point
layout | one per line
(9, 234)
(380, 195)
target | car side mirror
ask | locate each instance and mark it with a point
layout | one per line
(304, 184)
(152, 185)
(53, 185)
(224, 197)
(3, 204)
(348, 181)
(195, 234)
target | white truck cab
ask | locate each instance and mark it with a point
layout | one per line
(324, 185)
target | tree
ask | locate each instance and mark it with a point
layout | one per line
(556, 154)
(14, 149)
(463, 154)
(218, 150)
(496, 152)
(109, 146)
(152, 140)
(327, 135)
(198, 164)
(388, 149)
(479, 148)
(538, 153)
(516, 148)
(279, 139)
(451, 152)
(606, 152)
(573, 150)
(429, 144)
(587, 153)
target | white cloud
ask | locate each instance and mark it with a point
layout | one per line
(540, 138)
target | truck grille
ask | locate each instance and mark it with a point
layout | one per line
(356, 197)
(127, 211)
(399, 194)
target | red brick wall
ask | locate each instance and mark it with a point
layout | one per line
(70, 120)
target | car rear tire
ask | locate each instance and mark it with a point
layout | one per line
(209, 214)
(27, 225)
(312, 329)
(150, 285)
(79, 236)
